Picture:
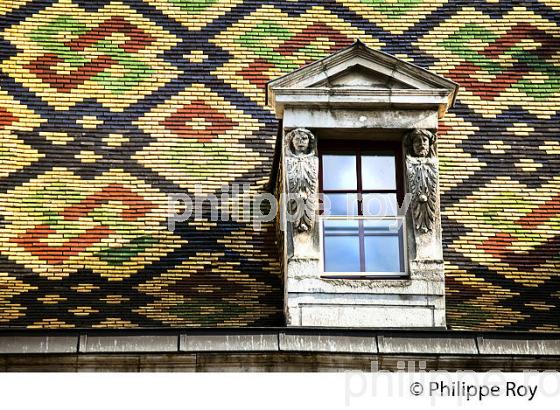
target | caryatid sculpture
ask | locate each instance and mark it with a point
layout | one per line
(422, 171)
(302, 172)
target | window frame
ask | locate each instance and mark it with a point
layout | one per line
(328, 146)
(359, 147)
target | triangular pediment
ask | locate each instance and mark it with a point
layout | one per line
(361, 75)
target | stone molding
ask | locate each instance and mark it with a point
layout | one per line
(276, 340)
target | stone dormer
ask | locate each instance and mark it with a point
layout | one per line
(358, 179)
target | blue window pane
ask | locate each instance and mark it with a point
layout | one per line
(379, 204)
(340, 227)
(378, 172)
(391, 226)
(342, 254)
(340, 204)
(383, 254)
(339, 172)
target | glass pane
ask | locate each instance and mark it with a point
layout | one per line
(379, 204)
(342, 253)
(340, 204)
(333, 227)
(391, 226)
(383, 254)
(341, 246)
(378, 172)
(339, 172)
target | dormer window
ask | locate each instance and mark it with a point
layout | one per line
(361, 231)
(370, 124)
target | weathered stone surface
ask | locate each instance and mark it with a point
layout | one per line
(271, 362)
(519, 346)
(167, 363)
(433, 345)
(38, 344)
(367, 316)
(41, 363)
(108, 363)
(352, 77)
(283, 362)
(329, 118)
(229, 342)
(327, 343)
(141, 343)
(292, 350)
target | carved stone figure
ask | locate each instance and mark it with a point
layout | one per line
(302, 172)
(422, 170)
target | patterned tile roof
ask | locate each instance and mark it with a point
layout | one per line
(106, 107)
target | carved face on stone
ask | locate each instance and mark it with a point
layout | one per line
(421, 144)
(300, 143)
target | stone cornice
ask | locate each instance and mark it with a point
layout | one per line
(419, 342)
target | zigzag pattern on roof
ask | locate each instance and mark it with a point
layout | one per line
(108, 106)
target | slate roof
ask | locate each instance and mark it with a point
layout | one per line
(106, 107)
